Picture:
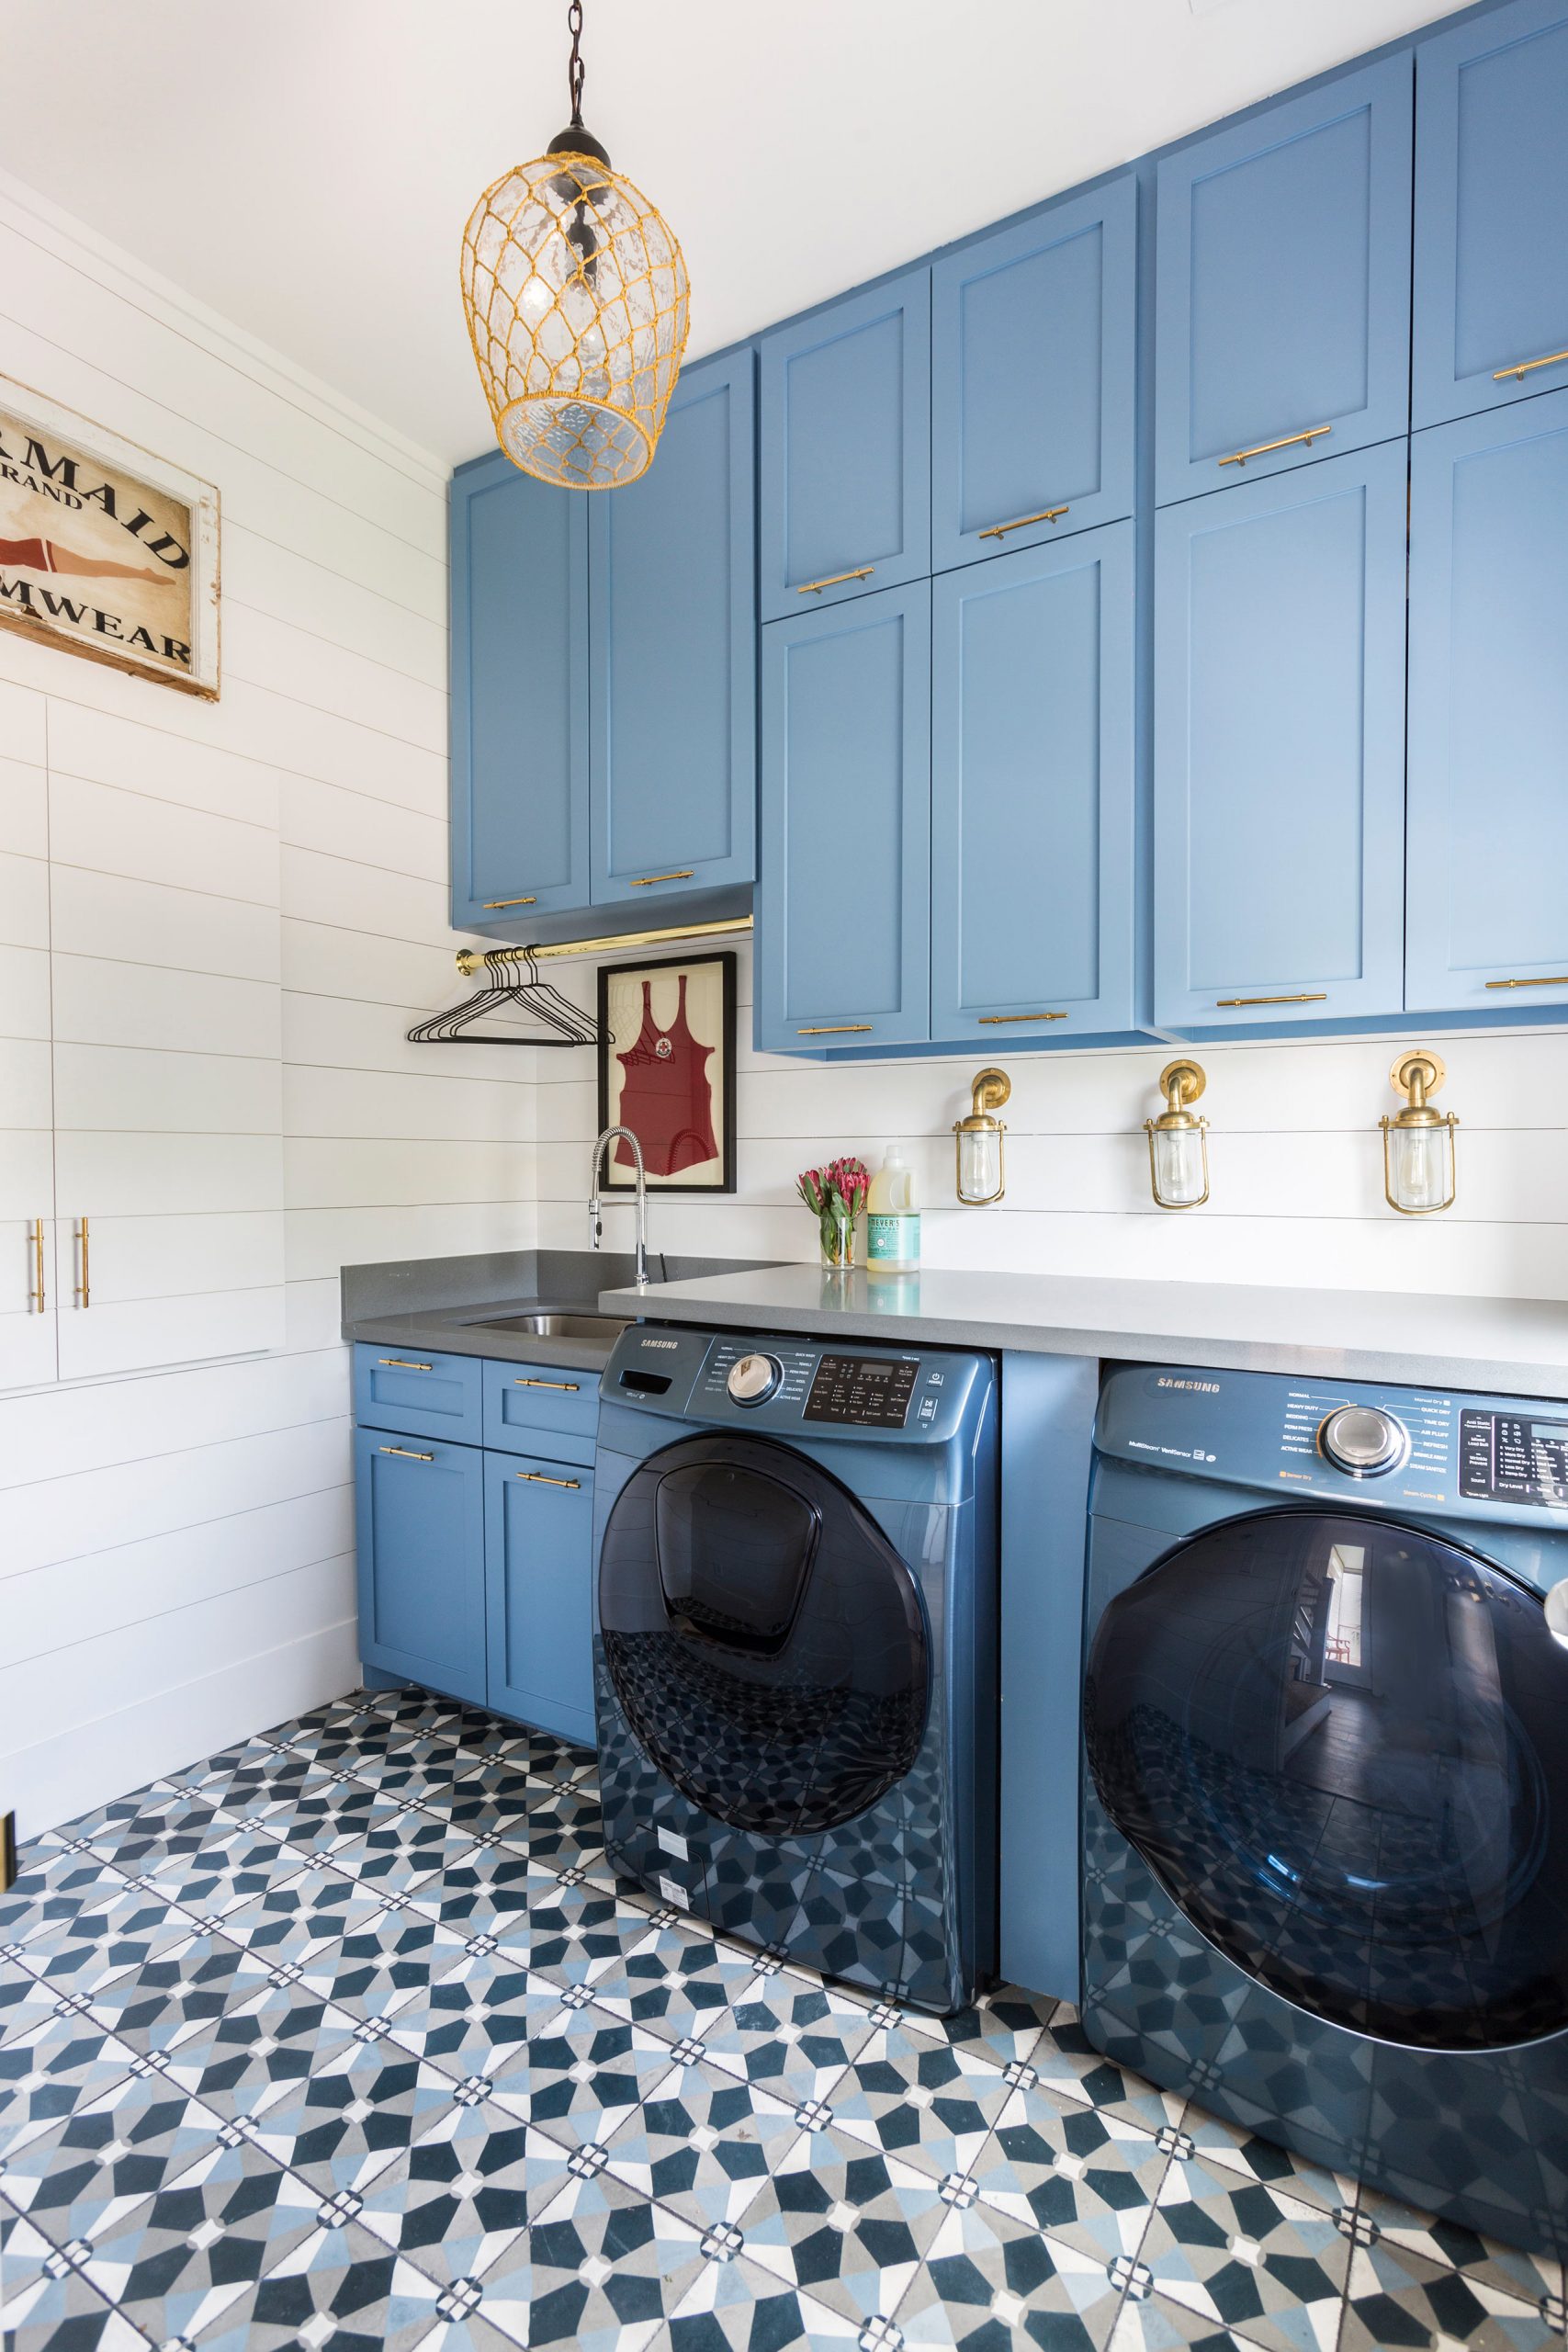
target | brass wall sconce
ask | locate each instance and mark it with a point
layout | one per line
(981, 1175)
(1418, 1142)
(1179, 1143)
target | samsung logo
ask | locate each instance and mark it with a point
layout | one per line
(661, 1344)
(1204, 1387)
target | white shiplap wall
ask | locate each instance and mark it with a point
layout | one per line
(175, 1549)
(1295, 1161)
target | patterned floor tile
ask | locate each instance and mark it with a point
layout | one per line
(791, 2039)
(603, 2270)
(47, 2075)
(1398, 2298)
(464, 2192)
(1003, 2026)
(168, 1822)
(1534, 2278)
(322, 1810)
(677, 1980)
(234, 1866)
(116, 2150)
(45, 2301)
(362, 2106)
(572, 1932)
(583, 2071)
(845, 2224)
(343, 2290)
(1146, 2323)
(51, 1885)
(316, 1908)
(401, 1851)
(1065, 2063)
(472, 2018)
(493, 1889)
(1223, 2144)
(934, 2103)
(243, 2058)
(990, 2282)
(173, 1999)
(702, 2144)
(1088, 2177)
(125, 1924)
(1246, 2256)
(383, 1967)
(733, 2307)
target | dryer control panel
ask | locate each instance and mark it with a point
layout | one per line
(773, 1381)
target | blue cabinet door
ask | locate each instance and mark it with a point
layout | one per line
(1033, 378)
(420, 1506)
(1032, 904)
(843, 945)
(1280, 747)
(1284, 304)
(845, 469)
(673, 632)
(539, 1593)
(1491, 211)
(1488, 782)
(519, 696)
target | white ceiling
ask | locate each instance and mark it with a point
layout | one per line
(306, 166)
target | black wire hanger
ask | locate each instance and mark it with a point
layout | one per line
(533, 996)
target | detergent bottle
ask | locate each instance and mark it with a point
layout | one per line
(893, 1222)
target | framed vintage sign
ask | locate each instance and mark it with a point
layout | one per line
(667, 1070)
(104, 550)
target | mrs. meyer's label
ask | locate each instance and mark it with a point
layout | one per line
(893, 1238)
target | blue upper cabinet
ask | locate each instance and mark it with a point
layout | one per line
(1031, 791)
(519, 696)
(1033, 335)
(843, 903)
(845, 471)
(672, 628)
(1284, 304)
(1280, 747)
(1488, 914)
(1491, 211)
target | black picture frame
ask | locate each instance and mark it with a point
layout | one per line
(617, 982)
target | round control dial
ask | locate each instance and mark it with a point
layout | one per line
(753, 1379)
(1364, 1440)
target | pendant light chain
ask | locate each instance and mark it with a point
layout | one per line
(576, 72)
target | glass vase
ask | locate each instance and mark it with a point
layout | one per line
(839, 1236)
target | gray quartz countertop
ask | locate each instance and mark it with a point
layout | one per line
(1416, 1340)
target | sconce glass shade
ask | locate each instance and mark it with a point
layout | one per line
(1419, 1160)
(578, 305)
(981, 1174)
(1179, 1143)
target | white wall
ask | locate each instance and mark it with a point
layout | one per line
(1295, 1161)
(175, 1549)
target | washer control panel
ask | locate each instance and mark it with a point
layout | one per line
(1514, 1458)
(752, 1379)
(1364, 1440)
(874, 1392)
(773, 1384)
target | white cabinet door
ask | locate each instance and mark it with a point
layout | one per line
(28, 1292)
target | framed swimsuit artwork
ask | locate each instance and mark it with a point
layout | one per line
(667, 1071)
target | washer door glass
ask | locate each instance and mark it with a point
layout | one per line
(1342, 1746)
(766, 1643)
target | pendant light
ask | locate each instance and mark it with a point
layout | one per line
(577, 302)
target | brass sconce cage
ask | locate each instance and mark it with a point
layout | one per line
(1419, 1174)
(1179, 1143)
(980, 1173)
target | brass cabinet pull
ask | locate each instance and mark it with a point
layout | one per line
(814, 587)
(835, 1029)
(998, 1020)
(645, 881)
(1551, 360)
(400, 1364)
(537, 1478)
(529, 901)
(1312, 433)
(1550, 981)
(84, 1288)
(1047, 515)
(38, 1265)
(406, 1452)
(571, 1386)
(1304, 996)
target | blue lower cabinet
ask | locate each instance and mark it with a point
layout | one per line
(421, 1561)
(427, 1394)
(539, 1593)
(1280, 747)
(1487, 921)
(1032, 785)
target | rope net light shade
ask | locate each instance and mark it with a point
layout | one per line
(578, 304)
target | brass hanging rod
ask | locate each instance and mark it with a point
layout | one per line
(470, 960)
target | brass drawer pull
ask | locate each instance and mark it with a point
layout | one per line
(1552, 359)
(814, 587)
(400, 1364)
(1304, 996)
(572, 1387)
(1551, 980)
(84, 1287)
(1312, 433)
(835, 1029)
(998, 1019)
(537, 1478)
(407, 1453)
(529, 901)
(38, 1265)
(645, 881)
(1047, 515)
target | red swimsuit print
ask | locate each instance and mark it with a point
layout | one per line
(666, 1099)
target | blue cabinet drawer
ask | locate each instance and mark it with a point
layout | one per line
(419, 1510)
(429, 1396)
(539, 1593)
(530, 1406)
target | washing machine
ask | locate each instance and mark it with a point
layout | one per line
(1326, 1802)
(794, 1647)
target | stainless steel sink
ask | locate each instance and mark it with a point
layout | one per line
(557, 1326)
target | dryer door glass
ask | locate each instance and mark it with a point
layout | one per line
(766, 1643)
(1342, 1746)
